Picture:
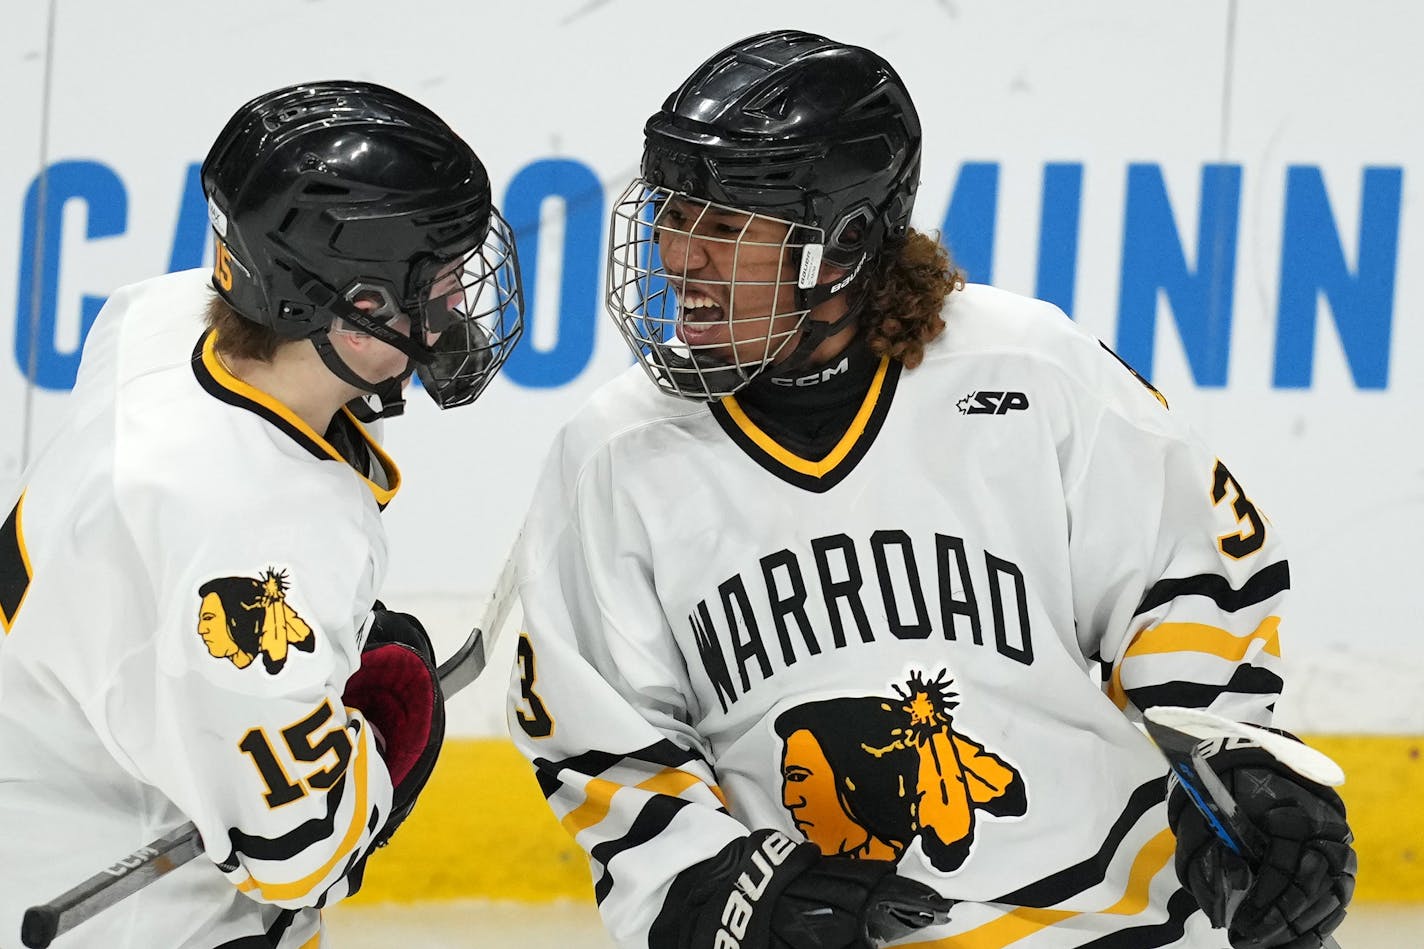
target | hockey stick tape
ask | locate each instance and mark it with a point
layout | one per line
(1204, 726)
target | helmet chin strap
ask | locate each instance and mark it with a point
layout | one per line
(388, 392)
(816, 332)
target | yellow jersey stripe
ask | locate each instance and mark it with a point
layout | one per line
(387, 463)
(1115, 690)
(1198, 637)
(805, 466)
(1023, 922)
(598, 796)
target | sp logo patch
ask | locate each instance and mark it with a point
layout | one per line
(865, 776)
(992, 402)
(241, 618)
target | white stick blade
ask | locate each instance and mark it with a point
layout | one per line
(1203, 725)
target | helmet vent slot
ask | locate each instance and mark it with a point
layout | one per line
(774, 104)
(456, 212)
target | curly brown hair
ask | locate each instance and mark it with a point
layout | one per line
(904, 295)
(239, 336)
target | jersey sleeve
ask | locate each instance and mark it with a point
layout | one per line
(601, 705)
(1179, 579)
(241, 724)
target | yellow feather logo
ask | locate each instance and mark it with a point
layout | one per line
(241, 618)
(866, 776)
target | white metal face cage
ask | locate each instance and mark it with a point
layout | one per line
(707, 296)
(476, 305)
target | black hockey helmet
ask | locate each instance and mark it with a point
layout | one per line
(814, 135)
(326, 194)
(799, 127)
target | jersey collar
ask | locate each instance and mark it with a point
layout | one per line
(821, 474)
(213, 376)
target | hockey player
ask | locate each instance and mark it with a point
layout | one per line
(188, 573)
(861, 601)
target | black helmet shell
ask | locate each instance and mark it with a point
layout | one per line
(799, 127)
(318, 187)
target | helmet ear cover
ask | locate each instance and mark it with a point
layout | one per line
(371, 322)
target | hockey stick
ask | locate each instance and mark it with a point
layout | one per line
(43, 923)
(466, 663)
(1179, 734)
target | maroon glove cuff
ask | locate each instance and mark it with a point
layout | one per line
(395, 689)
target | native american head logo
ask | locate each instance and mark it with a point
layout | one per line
(241, 618)
(866, 776)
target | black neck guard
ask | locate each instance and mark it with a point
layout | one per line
(809, 410)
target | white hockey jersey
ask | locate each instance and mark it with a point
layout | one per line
(931, 645)
(183, 583)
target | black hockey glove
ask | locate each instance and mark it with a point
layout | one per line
(397, 689)
(1298, 894)
(768, 892)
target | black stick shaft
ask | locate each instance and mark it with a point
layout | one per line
(43, 923)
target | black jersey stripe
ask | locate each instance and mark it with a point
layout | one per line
(296, 840)
(791, 468)
(280, 925)
(1068, 882)
(667, 754)
(652, 820)
(1247, 679)
(355, 869)
(1136, 375)
(547, 775)
(269, 940)
(1180, 905)
(589, 764)
(663, 753)
(1261, 586)
(15, 572)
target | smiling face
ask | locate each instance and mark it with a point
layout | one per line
(709, 296)
(734, 277)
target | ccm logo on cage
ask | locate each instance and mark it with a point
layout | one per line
(737, 911)
(990, 402)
